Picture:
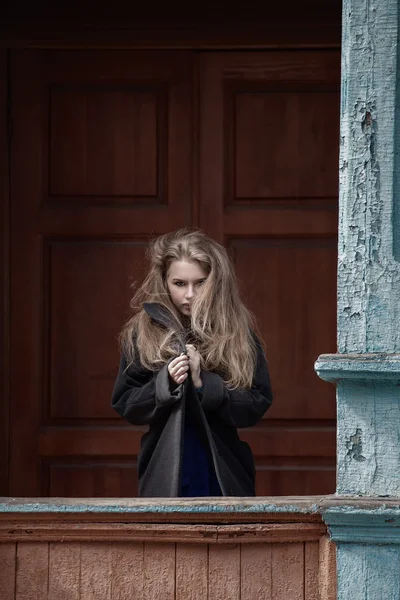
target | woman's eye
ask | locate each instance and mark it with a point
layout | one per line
(202, 282)
(179, 283)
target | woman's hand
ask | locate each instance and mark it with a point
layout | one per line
(194, 364)
(178, 368)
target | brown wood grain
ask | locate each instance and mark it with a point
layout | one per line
(32, 577)
(25, 324)
(159, 571)
(4, 272)
(287, 440)
(111, 139)
(280, 226)
(96, 570)
(84, 353)
(224, 572)
(199, 534)
(127, 571)
(288, 571)
(256, 571)
(175, 26)
(299, 313)
(8, 552)
(191, 572)
(64, 571)
(108, 149)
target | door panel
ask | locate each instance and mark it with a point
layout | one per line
(101, 160)
(104, 155)
(268, 191)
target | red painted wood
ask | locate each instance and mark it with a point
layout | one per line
(256, 571)
(64, 571)
(288, 571)
(191, 572)
(327, 569)
(32, 571)
(297, 562)
(159, 571)
(8, 551)
(96, 570)
(224, 572)
(127, 571)
(311, 570)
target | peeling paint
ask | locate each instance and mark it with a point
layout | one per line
(122, 507)
(369, 155)
(354, 446)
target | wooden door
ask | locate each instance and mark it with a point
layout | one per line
(268, 191)
(101, 159)
(105, 154)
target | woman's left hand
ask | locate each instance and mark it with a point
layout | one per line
(194, 364)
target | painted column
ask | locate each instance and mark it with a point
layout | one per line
(366, 369)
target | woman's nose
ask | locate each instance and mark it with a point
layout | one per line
(190, 291)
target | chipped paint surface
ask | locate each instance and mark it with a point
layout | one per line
(377, 525)
(368, 272)
(368, 572)
(160, 506)
(366, 369)
(368, 431)
(368, 549)
(368, 438)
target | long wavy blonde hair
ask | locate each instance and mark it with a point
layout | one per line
(220, 324)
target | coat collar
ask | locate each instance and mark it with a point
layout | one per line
(164, 317)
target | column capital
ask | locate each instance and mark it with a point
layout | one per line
(373, 366)
(372, 521)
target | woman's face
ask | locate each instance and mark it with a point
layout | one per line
(184, 278)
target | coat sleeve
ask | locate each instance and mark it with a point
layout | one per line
(238, 407)
(141, 396)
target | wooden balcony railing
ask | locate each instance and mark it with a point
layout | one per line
(119, 549)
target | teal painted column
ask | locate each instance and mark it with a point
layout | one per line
(368, 549)
(366, 369)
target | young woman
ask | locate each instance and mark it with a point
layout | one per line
(193, 370)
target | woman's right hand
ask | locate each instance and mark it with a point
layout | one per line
(178, 369)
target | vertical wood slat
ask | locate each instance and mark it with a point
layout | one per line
(159, 571)
(7, 570)
(311, 571)
(288, 571)
(191, 572)
(256, 576)
(127, 571)
(95, 579)
(224, 572)
(32, 571)
(327, 569)
(64, 571)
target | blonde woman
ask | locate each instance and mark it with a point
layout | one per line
(193, 370)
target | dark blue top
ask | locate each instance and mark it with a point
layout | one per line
(198, 473)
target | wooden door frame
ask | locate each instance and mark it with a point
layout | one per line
(256, 36)
(5, 270)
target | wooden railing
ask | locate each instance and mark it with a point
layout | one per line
(250, 549)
